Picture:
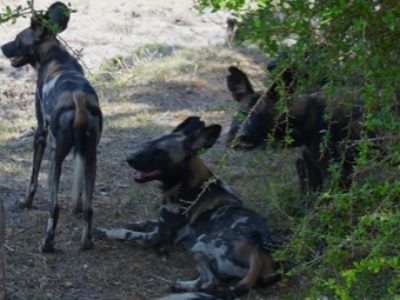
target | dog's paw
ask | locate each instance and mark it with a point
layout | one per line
(86, 245)
(21, 204)
(99, 232)
(77, 210)
(47, 247)
(173, 286)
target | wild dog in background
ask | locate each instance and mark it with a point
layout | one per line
(245, 96)
(285, 83)
(224, 239)
(67, 110)
(309, 117)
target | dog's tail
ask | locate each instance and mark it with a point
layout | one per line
(261, 270)
(79, 129)
(228, 294)
(188, 296)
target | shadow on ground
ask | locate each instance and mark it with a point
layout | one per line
(137, 105)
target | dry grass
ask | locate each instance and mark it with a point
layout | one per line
(141, 96)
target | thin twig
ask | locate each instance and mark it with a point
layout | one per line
(234, 141)
(161, 278)
(31, 4)
(75, 53)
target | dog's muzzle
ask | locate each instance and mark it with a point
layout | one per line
(9, 49)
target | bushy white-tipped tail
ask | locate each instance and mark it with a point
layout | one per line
(187, 296)
(77, 183)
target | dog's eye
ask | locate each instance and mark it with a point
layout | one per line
(18, 41)
(160, 154)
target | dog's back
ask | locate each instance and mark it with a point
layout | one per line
(224, 239)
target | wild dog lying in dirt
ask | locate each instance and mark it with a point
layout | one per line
(309, 117)
(67, 108)
(224, 239)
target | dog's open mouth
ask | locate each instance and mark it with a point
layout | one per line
(15, 61)
(246, 144)
(141, 176)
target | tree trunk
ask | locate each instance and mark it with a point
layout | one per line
(2, 251)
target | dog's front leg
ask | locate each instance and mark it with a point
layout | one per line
(161, 234)
(144, 226)
(148, 239)
(39, 145)
(63, 146)
(139, 227)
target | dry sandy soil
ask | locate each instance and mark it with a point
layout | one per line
(105, 29)
(143, 93)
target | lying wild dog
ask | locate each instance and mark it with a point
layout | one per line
(67, 110)
(309, 117)
(224, 239)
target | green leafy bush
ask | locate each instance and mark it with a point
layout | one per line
(347, 244)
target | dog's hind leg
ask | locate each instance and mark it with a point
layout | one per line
(206, 280)
(78, 178)
(347, 166)
(90, 167)
(313, 172)
(39, 146)
(64, 144)
(302, 174)
(257, 264)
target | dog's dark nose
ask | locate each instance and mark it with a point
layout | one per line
(8, 49)
(130, 159)
(2, 48)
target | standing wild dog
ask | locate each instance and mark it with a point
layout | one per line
(67, 109)
(309, 117)
(224, 239)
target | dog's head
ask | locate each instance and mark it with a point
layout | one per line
(165, 158)
(255, 126)
(26, 46)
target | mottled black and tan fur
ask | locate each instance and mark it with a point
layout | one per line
(224, 239)
(67, 111)
(308, 119)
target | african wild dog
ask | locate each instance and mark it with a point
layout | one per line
(245, 96)
(224, 239)
(309, 117)
(67, 108)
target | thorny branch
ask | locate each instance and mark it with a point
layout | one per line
(235, 140)
(30, 10)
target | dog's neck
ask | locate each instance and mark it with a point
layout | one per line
(199, 191)
(193, 175)
(51, 53)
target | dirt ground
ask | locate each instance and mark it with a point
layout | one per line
(105, 29)
(171, 63)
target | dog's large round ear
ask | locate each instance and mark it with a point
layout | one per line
(205, 138)
(238, 83)
(58, 16)
(189, 125)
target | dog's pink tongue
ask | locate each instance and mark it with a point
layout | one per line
(137, 175)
